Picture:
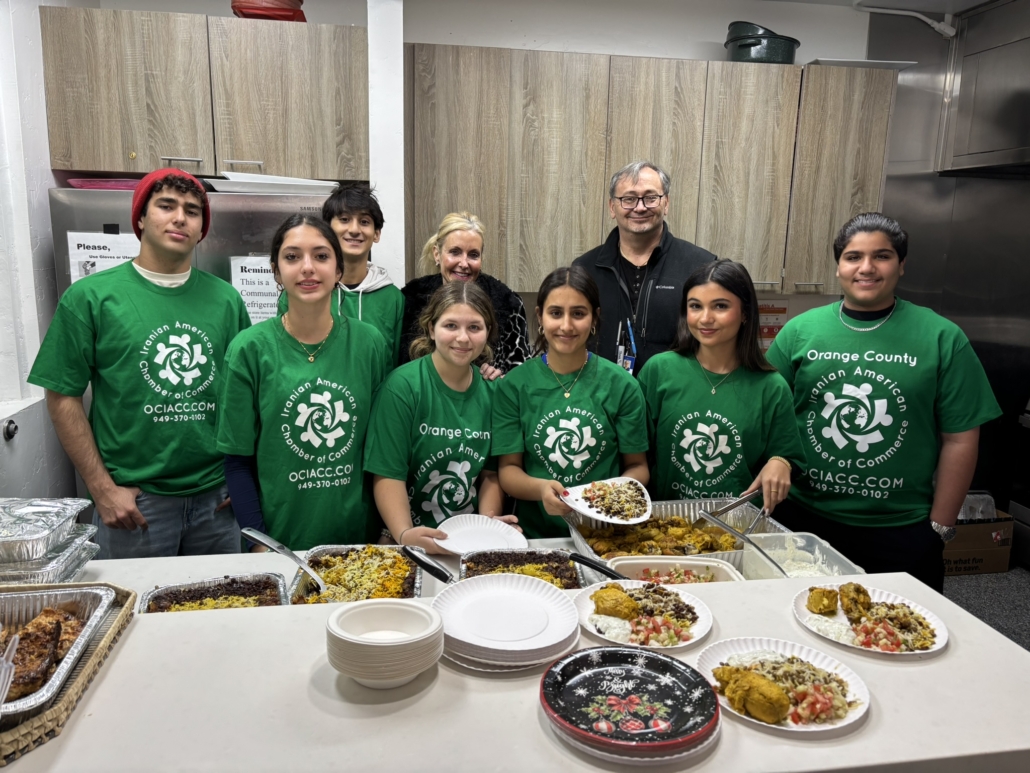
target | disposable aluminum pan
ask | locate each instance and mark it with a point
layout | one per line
(87, 603)
(530, 555)
(214, 584)
(56, 566)
(31, 528)
(303, 586)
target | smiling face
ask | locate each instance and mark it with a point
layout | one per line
(357, 233)
(172, 223)
(714, 315)
(868, 271)
(459, 335)
(307, 267)
(460, 257)
(566, 319)
(639, 220)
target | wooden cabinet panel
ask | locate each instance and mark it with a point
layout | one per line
(292, 96)
(556, 161)
(656, 111)
(839, 166)
(750, 123)
(124, 88)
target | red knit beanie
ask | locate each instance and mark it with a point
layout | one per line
(141, 196)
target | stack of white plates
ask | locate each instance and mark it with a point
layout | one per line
(384, 643)
(506, 621)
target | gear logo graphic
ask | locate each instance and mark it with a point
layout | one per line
(180, 358)
(450, 493)
(570, 443)
(854, 417)
(706, 448)
(322, 420)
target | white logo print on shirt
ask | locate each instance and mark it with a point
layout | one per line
(180, 360)
(853, 416)
(322, 420)
(452, 491)
(569, 443)
(705, 448)
(177, 361)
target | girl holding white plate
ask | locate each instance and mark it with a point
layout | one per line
(567, 417)
(429, 436)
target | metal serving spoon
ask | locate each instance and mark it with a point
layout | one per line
(281, 549)
(714, 519)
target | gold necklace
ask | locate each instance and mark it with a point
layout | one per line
(568, 389)
(705, 374)
(311, 355)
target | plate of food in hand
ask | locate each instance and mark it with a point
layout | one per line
(616, 500)
(643, 614)
(782, 684)
(870, 619)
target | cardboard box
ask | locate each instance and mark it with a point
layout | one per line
(980, 547)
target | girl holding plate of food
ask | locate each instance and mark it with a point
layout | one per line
(296, 399)
(566, 417)
(429, 436)
(720, 418)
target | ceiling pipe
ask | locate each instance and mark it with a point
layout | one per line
(943, 27)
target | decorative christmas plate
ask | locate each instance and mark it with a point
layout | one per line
(599, 503)
(658, 758)
(629, 698)
(466, 533)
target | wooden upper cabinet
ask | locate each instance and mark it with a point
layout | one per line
(656, 112)
(291, 96)
(751, 116)
(127, 91)
(839, 166)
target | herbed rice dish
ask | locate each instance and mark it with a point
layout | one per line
(370, 572)
(651, 616)
(881, 626)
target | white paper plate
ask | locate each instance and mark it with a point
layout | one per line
(507, 613)
(877, 595)
(500, 668)
(700, 629)
(690, 753)
(466, 533)
(498, 658)
(714, 655)
(574, 499)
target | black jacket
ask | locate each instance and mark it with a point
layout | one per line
(512, 346)
(658, 310)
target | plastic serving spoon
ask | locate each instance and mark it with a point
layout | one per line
(282, 550)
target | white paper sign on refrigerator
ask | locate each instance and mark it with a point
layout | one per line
(253, 279)
(92, 252)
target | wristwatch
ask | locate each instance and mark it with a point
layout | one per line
(946, 533)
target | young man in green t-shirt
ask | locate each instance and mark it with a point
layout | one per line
(886, 394)
(149, 337)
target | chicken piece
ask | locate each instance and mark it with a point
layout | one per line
(615, 554)
(649, 548)
(703, 542)
(855, 601)
(677, 533)
(677, 522)
(727, 542)
(753, 694)
(822, 601)
(613, 601)
(37, 652)
(602, 546)
(71, 627)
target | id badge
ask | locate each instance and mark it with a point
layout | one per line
(628, 361)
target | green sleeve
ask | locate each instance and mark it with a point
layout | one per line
(964, 396)
(631, 419)
(239, 419)
(648, 380)
(506, 426)
(244, 315)
(784, 438)
(780, 354)
(398, 326)
(388, 440)
(67, 356)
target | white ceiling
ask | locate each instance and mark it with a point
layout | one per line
(931, 6)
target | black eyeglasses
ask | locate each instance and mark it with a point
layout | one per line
(650, 200)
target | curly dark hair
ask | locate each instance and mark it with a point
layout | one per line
(179, 184)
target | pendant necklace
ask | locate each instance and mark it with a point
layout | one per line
(311, 355)
(840, 316)
(567, 389)
(705, 374)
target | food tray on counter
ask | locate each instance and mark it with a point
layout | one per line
(523, 556)
(739, 518)
(37, 730)
(31, 528)
(800, 548)
(88, 603)
(303, 586)
(63, 564)
(215, 583)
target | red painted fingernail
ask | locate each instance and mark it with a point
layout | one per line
(565, 493)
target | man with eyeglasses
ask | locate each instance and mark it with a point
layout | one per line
(640, 269)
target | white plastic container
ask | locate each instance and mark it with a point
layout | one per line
(809, 555)
(633, 566)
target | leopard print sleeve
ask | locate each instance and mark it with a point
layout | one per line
(513, 337)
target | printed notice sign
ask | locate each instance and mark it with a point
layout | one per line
(772, 316)
(253, 279)
(90, 252)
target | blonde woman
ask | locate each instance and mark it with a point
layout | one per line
(455, 254)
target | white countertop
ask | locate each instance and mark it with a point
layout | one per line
(251, 690)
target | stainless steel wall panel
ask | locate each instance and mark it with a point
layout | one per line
(1001, 111)
(996, 25)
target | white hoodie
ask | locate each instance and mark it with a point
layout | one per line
(376, 279)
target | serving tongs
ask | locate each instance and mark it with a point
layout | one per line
(713, 518)
(441, 573)
(281, 549)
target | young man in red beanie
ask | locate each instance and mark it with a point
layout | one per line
(150, 337)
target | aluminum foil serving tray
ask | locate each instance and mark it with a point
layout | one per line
(89, 603)
(31, 528)
(62, 564)
(546, 554)
(303, 585)
(215, 582)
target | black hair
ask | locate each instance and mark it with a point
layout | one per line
(180, 184)
(736, 279)
(871, 222)
(294, 221)
(580, 281)
(353, 199)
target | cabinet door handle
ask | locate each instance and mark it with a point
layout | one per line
(182, 158)
(254, 163)
(765, 283)
(808, 284)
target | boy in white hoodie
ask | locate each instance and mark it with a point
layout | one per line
(367, 293)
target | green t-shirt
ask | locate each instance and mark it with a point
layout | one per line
(574, 441)
(383, 309)
(305, 422)
(154, 358)
(435, 439)
(709, 445)
(870, 406)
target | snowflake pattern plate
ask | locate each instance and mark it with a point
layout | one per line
(574, 499)
(466, 533)
(660, 758)
(630, 699)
